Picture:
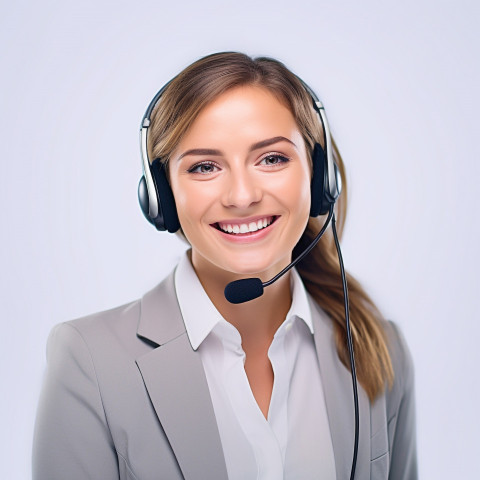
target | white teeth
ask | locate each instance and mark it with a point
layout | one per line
(246, 228)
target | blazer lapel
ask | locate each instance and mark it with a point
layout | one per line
(337, 387)
(175, 380)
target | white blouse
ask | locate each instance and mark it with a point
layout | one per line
(294, 443)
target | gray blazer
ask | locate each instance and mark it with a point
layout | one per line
(126, 397)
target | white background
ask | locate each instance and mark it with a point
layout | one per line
(400, 83)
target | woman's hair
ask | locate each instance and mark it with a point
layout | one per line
(183, 99)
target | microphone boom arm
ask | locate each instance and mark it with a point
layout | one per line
(305, 252)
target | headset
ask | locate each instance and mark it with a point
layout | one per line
(156, 197)
(158, 205)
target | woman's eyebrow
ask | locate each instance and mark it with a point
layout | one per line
(270, 141)
(255, 146)
(199, 151)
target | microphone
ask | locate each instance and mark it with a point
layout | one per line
(243, 290)
(246, 289)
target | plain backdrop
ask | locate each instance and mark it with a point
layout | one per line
(400, 84)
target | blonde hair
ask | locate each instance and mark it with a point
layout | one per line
(183, 99)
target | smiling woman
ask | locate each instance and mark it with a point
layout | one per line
(185, 384)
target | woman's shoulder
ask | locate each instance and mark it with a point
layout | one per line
(400, 354)
(402, 390)
(116, 331)
(90, 343)
(123, 316)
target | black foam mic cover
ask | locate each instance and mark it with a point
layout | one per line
(243, 290)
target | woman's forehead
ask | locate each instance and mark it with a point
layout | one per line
(244, 112)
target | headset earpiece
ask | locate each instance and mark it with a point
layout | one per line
(317, 186)
(143, 199)
(166, 218)
(167, 210)
(321, 196)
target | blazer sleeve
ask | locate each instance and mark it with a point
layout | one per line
(72, 439)
(403, 459)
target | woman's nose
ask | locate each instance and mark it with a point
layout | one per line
(241, 190)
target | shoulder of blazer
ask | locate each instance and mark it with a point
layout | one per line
(133, 369)
(136, 327)
(402, 364)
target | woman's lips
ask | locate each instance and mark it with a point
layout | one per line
(246, 226)
(247, 230)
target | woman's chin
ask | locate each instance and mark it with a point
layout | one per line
(250, 267)
(253, 262)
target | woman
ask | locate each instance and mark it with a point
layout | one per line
(185, 384)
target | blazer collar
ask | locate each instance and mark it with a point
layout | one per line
(338, 391)
(175, 380)
(160, 319)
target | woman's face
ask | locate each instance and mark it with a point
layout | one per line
(241, 181)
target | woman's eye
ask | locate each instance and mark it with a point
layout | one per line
(274, 160)
(203, 168)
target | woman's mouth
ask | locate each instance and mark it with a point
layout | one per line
(237, 228)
